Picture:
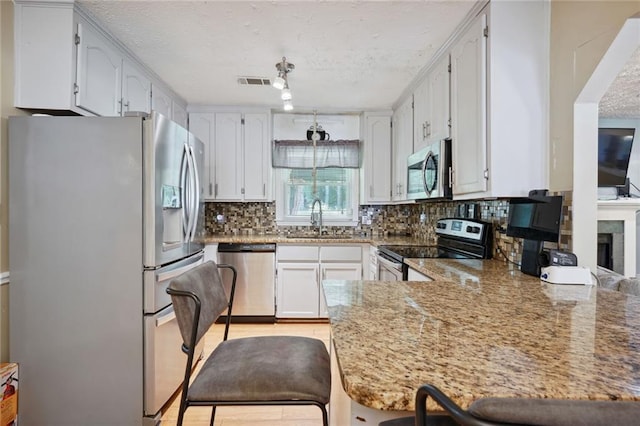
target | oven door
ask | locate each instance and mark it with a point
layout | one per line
(388, 269)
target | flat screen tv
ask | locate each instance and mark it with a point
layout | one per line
(536, 219)
(614, 151)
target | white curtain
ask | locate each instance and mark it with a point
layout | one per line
(298, 154)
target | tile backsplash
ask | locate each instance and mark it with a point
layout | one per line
(254, 218)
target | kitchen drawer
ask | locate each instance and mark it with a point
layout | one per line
(341, 253)
(288, 253)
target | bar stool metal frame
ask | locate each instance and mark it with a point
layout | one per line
(455, 415)
(185, 402)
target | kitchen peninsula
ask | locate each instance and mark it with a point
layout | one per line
(481, 328)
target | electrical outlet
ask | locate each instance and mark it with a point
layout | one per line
(366, 220)
(423, 218)
(220, 218)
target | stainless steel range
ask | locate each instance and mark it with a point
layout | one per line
(457, 239)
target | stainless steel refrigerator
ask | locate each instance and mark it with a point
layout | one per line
(103, 212)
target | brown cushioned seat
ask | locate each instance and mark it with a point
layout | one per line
(555, 412)
(273, 368)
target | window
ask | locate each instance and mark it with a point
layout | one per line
(337, 189)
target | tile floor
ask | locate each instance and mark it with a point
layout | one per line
(252, 416)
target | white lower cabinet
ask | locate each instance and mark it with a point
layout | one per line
(337, 271)
(298, 290)
(373, 263)
(299, 273)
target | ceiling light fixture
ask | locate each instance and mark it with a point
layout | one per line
(281, 82)
(286, 93)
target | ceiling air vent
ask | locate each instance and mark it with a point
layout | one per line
(254, 81)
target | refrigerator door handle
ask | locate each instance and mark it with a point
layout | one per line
(165, 318)
(190, 190)
(183, 185)
(196, 194)
(164, 276)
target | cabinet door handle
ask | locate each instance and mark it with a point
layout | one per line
(126, 105)
(371, 191)
(215, 194)
(264, 189)
(424, 130)
(210, 188)
(428, 129)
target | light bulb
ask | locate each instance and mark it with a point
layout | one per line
(278, 83)
(288, 106)
(286, 94)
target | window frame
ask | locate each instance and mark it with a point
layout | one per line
(282, 219)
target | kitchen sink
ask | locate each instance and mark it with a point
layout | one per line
(321, 237)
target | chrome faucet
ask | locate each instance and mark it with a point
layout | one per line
(318, 220)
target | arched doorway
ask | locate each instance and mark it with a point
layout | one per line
(585, 140)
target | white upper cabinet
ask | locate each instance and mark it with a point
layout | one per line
(202, 125)
(228, 156)
(431, 106)
(256, 156)
(98, 74)
(376, 164)
(439, 111)
(65, 61)
(136, 89)
(161, 101)
(402, 147)
(237, 154)
(468, 110)
(179, 114)
(499, 97)
(420, 115)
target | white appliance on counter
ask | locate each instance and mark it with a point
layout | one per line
(103, 213)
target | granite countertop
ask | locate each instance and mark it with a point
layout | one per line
(376, 240)
(482, 328)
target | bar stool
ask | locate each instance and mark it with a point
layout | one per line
(264, 370)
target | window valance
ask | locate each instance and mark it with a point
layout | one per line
(299, 154)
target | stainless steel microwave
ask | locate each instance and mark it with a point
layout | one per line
(429, 172)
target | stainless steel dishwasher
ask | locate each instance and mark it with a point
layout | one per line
(254, 299)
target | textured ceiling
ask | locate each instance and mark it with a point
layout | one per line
(347, 54)
(622, 99)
